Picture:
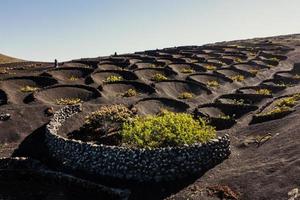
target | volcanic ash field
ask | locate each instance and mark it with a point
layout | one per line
(60, 127)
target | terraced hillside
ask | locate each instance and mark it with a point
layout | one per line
(248, 89)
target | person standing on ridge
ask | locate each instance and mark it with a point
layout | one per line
(55, 63)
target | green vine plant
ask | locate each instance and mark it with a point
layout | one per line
(67, 101)
(29, 88)
(130, 93)
(166, 129)
(238, 60)
(213, 84)
(185, 95)
(253, 71)
(187, 70)
(263, 91)
(113, 78)
(73, 78)
(239, 101)
(238, 78)
(225, 117)
(159, 77)
(274, 59)
(210, 67)
(285, 104)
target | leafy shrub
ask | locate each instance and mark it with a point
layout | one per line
(238, 60)
(283, 105)
(239, 101)
(185, 95)
(225, 117)
(288, 101)
(238, 78)
(113, 78)
(253, 71)
(282, 84)
(213, 84)
(263, 91)
(274, 59)
(130, 93)
(73, 78)
(109, 113)
(28, 88)
(210, 67)
(167, 129)
(67, 101)
(277, 110)
(187, 70)
(159, 77)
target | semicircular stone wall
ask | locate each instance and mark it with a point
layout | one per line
(143, 165)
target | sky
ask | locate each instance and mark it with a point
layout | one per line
(43, 30)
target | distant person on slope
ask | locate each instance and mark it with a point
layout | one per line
(55, 63)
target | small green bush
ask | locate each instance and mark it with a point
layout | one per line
(282, 84)
(288, 101)
(263, 92)
(185, 95)
(210, 67)
(213, 84)
(225, 117)
(112, 79)
(238, 60)
(238, 101)
(166, 129)
(159, 77)
(187, 70)
(253, 71)
(130, 93)
(283, 105)
(28, 88)
(73, 78)
(238, 78)
(67, 101)
(277, 110)
(275, 59)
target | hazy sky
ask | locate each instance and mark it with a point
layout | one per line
(67, 29)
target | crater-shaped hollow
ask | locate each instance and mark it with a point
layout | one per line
(208, 79)
(151, 106)
(140, 65)
(100, 77)
(232, 73)
(147, 74)
(15, 87)
(186, 68)
(50, 95)
(119, 89)
(69, 74)
(175, 88)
